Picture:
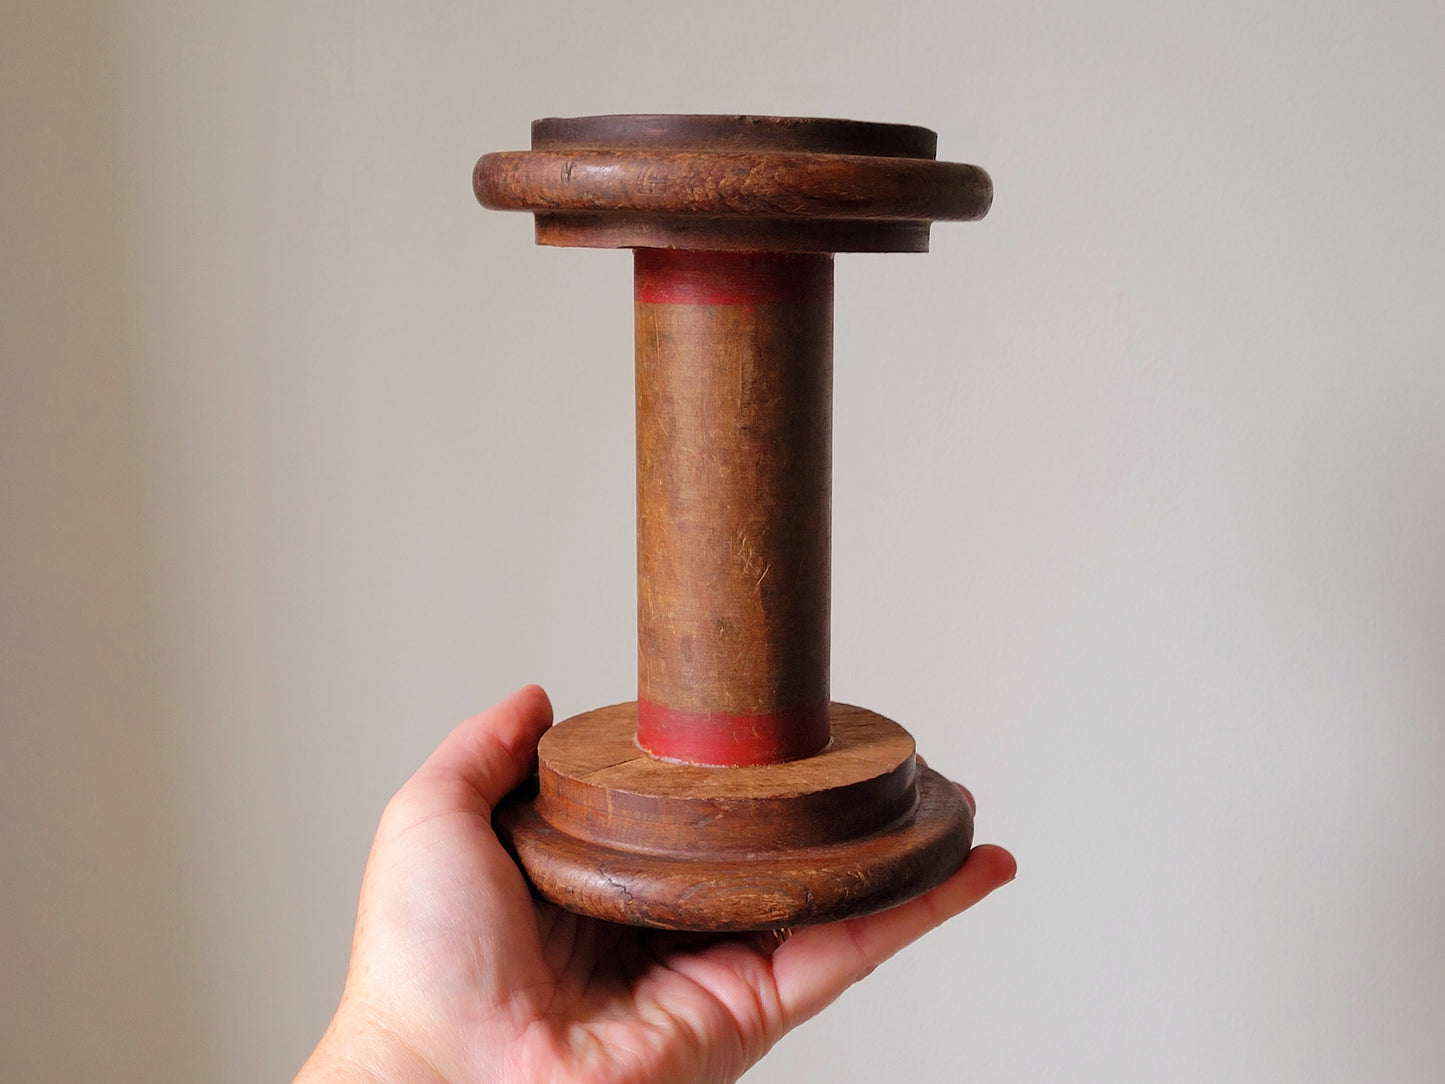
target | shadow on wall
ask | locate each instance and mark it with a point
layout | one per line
(96, 966)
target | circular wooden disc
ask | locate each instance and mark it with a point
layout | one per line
(609, 832)
(691, 131)
(597, 784)
(732, 182)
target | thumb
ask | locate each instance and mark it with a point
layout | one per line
(484, 758)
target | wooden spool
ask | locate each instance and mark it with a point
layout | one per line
(733, 794)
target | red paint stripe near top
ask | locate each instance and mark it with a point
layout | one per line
(664, 276)
(720, 738)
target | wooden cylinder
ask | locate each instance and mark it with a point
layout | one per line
(734, 443)
(732, 795)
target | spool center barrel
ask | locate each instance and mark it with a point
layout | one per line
(734, 449)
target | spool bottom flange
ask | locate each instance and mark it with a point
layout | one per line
(607, 831)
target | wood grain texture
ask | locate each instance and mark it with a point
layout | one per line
(732, 182)
(732, 795)
(774, 185)
(734, 461)
(734, 132)
(595, 783)
(744, 890)
(589, 229)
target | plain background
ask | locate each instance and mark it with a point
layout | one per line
(1139, 508)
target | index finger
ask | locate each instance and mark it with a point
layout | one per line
(818, 963)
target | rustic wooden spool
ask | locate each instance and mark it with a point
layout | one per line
(732, 794)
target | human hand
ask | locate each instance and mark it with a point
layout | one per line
(458, 975)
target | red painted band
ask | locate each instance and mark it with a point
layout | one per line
(664, 276)
(720, 738)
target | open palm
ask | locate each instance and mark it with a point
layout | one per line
(458, 975)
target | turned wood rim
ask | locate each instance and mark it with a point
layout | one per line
(595, 783)
(737, 132)
(783, 185)
(588, 229)
(744, 890)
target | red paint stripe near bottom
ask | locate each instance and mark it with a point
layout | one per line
(720, 738)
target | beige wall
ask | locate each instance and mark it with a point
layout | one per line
(1139, 516)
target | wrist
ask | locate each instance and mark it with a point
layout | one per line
(365, 1052)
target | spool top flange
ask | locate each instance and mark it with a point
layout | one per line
(778, 184)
